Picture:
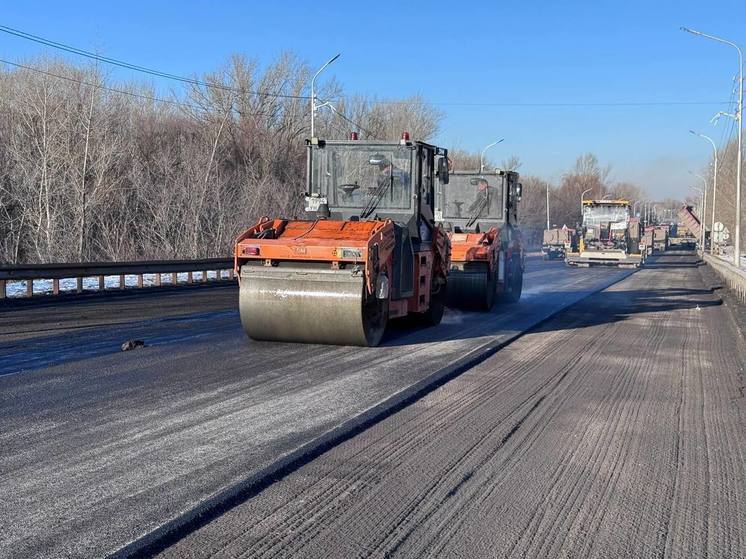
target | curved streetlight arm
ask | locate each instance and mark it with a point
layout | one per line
(582, 197)
(481, 155)
(714, 38)
(717, 116)
(714, 147)
(315, 107)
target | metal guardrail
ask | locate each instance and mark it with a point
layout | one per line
(29, 272)
(735, 278)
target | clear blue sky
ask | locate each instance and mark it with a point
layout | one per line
(547, 51)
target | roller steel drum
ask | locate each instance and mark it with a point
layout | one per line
(308, 305)
(470, 289)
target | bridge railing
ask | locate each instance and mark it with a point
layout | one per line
(735, 278)
(222, 269)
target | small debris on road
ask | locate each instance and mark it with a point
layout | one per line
(132, 344)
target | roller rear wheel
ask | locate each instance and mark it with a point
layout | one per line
(514, 283)
(434, 314)
(471, 290)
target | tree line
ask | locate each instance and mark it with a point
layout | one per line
(93, 170)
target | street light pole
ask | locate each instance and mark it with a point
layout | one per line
(714, 183)
(547, 205)
(314, 107)
(701, 193)
(481, 155)
(704, 207)
(582, 195)
(737, 243)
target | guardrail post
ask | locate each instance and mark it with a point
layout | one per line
(79, 285)
(204, 276)
(158, 280)
(29, 288)
(2, 289)
(101, 283)
(55, 286)
(139, 281)
(121, 281)
(190, 277)
(230, 274)
(174, 278)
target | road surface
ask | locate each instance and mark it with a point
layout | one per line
(615, 429)
(100, 448)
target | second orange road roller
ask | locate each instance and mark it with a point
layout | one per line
(480, 213)
(368, 250)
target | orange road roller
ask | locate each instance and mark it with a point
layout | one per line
(479, 212)
(368, 250)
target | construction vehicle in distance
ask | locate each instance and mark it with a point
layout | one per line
(480, 213)
(647, 242)
(688, 230)
(660, 238)
(609, 236)
(558, 242)
(368, 251)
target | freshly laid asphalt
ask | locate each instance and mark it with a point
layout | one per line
(615, 429)
(100, 448)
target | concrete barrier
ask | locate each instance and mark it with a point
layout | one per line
(735, 278)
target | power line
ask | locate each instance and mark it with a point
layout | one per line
(732, 121)
(193, 81)
(138, 68)
(347, 119)
(99, 86)
(581, 104)
(119, 91)
(152, 98)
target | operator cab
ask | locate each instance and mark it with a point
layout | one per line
(366, 180)
(603, 218)
(476, 202)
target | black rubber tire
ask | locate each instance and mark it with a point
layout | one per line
(375, 319)
(434, 314)
(490, 296)
(515, 283)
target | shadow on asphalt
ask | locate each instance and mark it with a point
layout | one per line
(457, 324)
(660, 264)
